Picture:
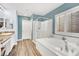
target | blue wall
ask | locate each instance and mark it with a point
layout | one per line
(20, 18)
(19, 27)
(37, 16)
(58, 10)
(51, 14)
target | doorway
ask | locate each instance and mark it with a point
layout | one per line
(26, 29)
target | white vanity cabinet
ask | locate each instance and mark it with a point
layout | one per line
(8, 46)
(6, 31)
(5, 48)
(5, 42)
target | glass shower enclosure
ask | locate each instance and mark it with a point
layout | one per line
(41, 28)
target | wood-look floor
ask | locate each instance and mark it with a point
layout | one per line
(25, 48)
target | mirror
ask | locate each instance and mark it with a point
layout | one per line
(1, 22)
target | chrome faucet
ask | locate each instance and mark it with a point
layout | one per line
(66, 44)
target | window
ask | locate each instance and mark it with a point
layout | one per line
(60, 23)
(67, 22)
(75, 22)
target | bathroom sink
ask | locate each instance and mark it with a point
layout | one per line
(5, 35)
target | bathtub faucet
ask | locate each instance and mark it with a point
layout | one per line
(66, 44)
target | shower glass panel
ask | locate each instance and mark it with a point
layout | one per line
(36, 29)
(42, 28)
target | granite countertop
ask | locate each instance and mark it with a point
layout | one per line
(5, 36)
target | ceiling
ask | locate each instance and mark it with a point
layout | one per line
(27, 9)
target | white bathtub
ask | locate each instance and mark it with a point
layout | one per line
(51, 47)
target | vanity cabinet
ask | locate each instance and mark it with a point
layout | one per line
(5, 48)
(6, 31)
(5, 42)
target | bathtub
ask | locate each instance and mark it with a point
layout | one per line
(52, 47)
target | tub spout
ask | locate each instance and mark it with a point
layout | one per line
(66, 44)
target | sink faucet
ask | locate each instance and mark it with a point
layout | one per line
(66, 44)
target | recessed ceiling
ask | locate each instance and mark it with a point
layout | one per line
(27, 9)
